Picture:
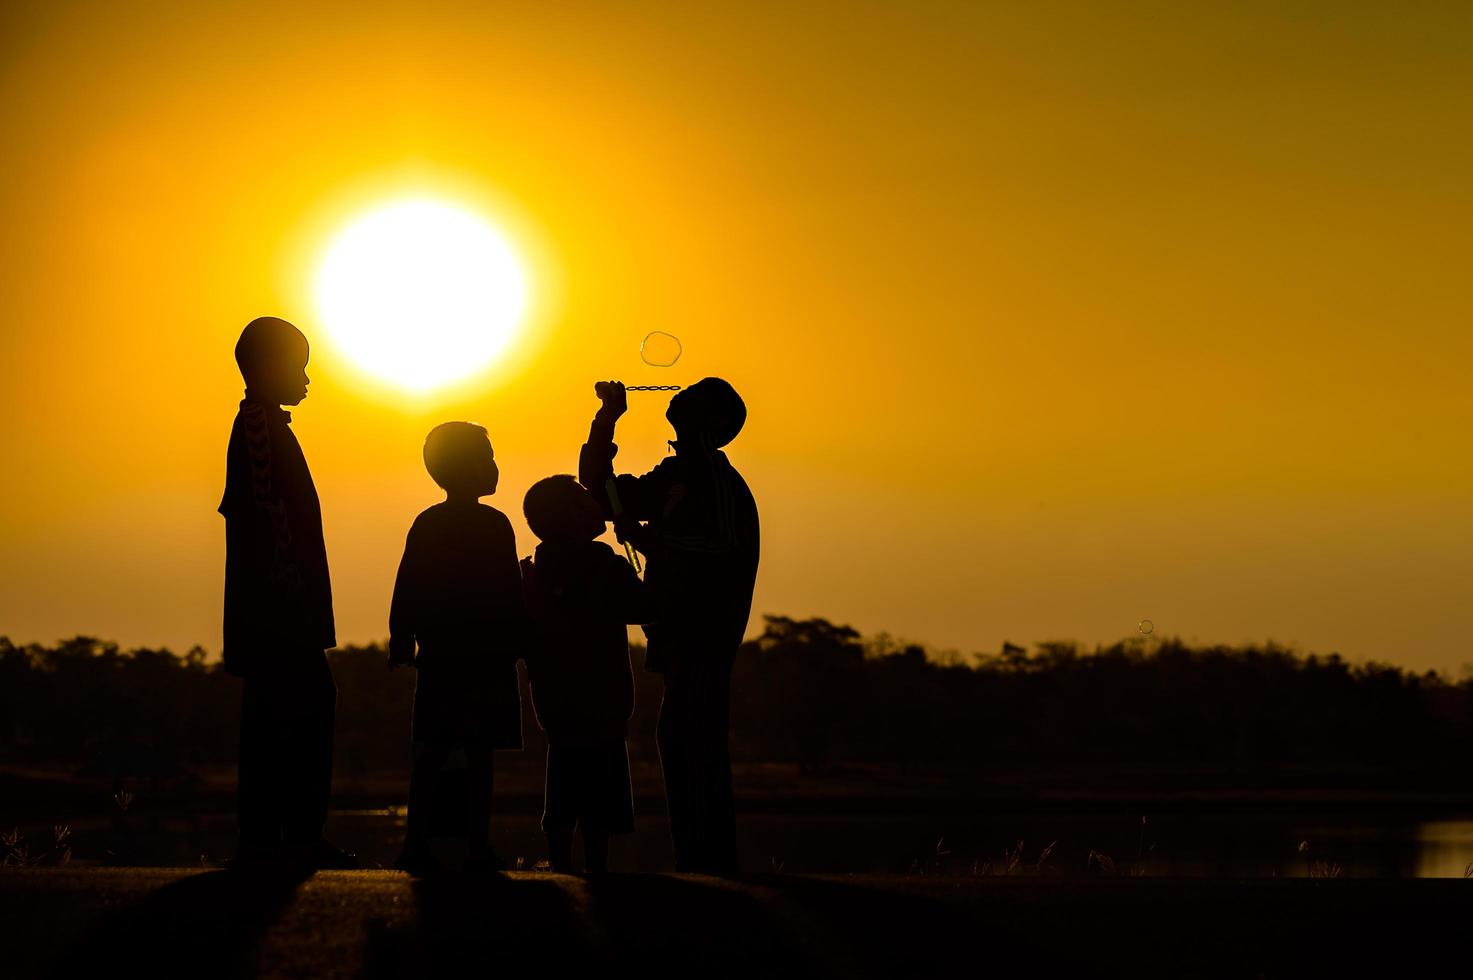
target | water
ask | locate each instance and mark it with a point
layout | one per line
(1186, 845)
(1444, 849)
(1197, 844)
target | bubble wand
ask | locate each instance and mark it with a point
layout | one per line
(658, 349)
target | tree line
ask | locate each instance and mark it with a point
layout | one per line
(822, 696)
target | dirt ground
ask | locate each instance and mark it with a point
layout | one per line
(157, 922)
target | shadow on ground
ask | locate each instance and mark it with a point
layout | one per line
(667, 926)
(204, 925)
(162, 923)
(478, 925)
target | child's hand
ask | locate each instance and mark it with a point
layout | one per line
(615, 400)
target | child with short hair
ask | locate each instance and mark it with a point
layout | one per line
(695, 519)
(580, 595)
(458, 598)
(278, 611)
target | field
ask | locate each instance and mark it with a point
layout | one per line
(62, 922)
(1263, 848)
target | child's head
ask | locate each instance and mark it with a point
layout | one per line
(272, 355)
(459, 457)
(560, 509)
(709, 408)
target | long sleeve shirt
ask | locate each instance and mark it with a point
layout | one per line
(701, 540)
(278, 594)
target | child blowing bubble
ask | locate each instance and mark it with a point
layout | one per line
(458, 599)
(580, 595)
(700, 535)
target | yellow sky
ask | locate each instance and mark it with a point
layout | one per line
(1049, 317)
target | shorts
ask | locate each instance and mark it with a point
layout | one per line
(588, 784)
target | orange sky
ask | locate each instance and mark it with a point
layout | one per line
(1049, 317)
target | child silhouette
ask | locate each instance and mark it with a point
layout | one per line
(580, 595)
(278, 611)
(458, 599)
(701, 539)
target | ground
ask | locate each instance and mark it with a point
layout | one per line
(173, 922)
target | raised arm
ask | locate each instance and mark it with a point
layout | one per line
(596, 460)
(639, 497)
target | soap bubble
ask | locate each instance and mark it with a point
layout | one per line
(1146, 627)
(660, 349)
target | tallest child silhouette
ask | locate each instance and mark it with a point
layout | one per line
(278, 611)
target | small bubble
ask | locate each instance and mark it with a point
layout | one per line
(660, 349)
(1146, 627)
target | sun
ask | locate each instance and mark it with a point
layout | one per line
(421, 293)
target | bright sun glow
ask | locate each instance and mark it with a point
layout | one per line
(421, 293)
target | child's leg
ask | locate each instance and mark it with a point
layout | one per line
(479, 772)
(559, 815)
(595, 850)
(258, 784)
(429, 759)
(609, 802)
(306, 771)
(560, 847)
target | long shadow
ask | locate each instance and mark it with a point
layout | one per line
(482, 925)
(206, 925)
(659, 926)
(663, 925)
(650, 926)
(1136, 927)
(887, 932)
(758, 925)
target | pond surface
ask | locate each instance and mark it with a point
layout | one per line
(1076, 843)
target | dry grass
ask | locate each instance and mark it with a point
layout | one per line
(17, 851)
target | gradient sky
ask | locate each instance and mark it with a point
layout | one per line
(1050, 317)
